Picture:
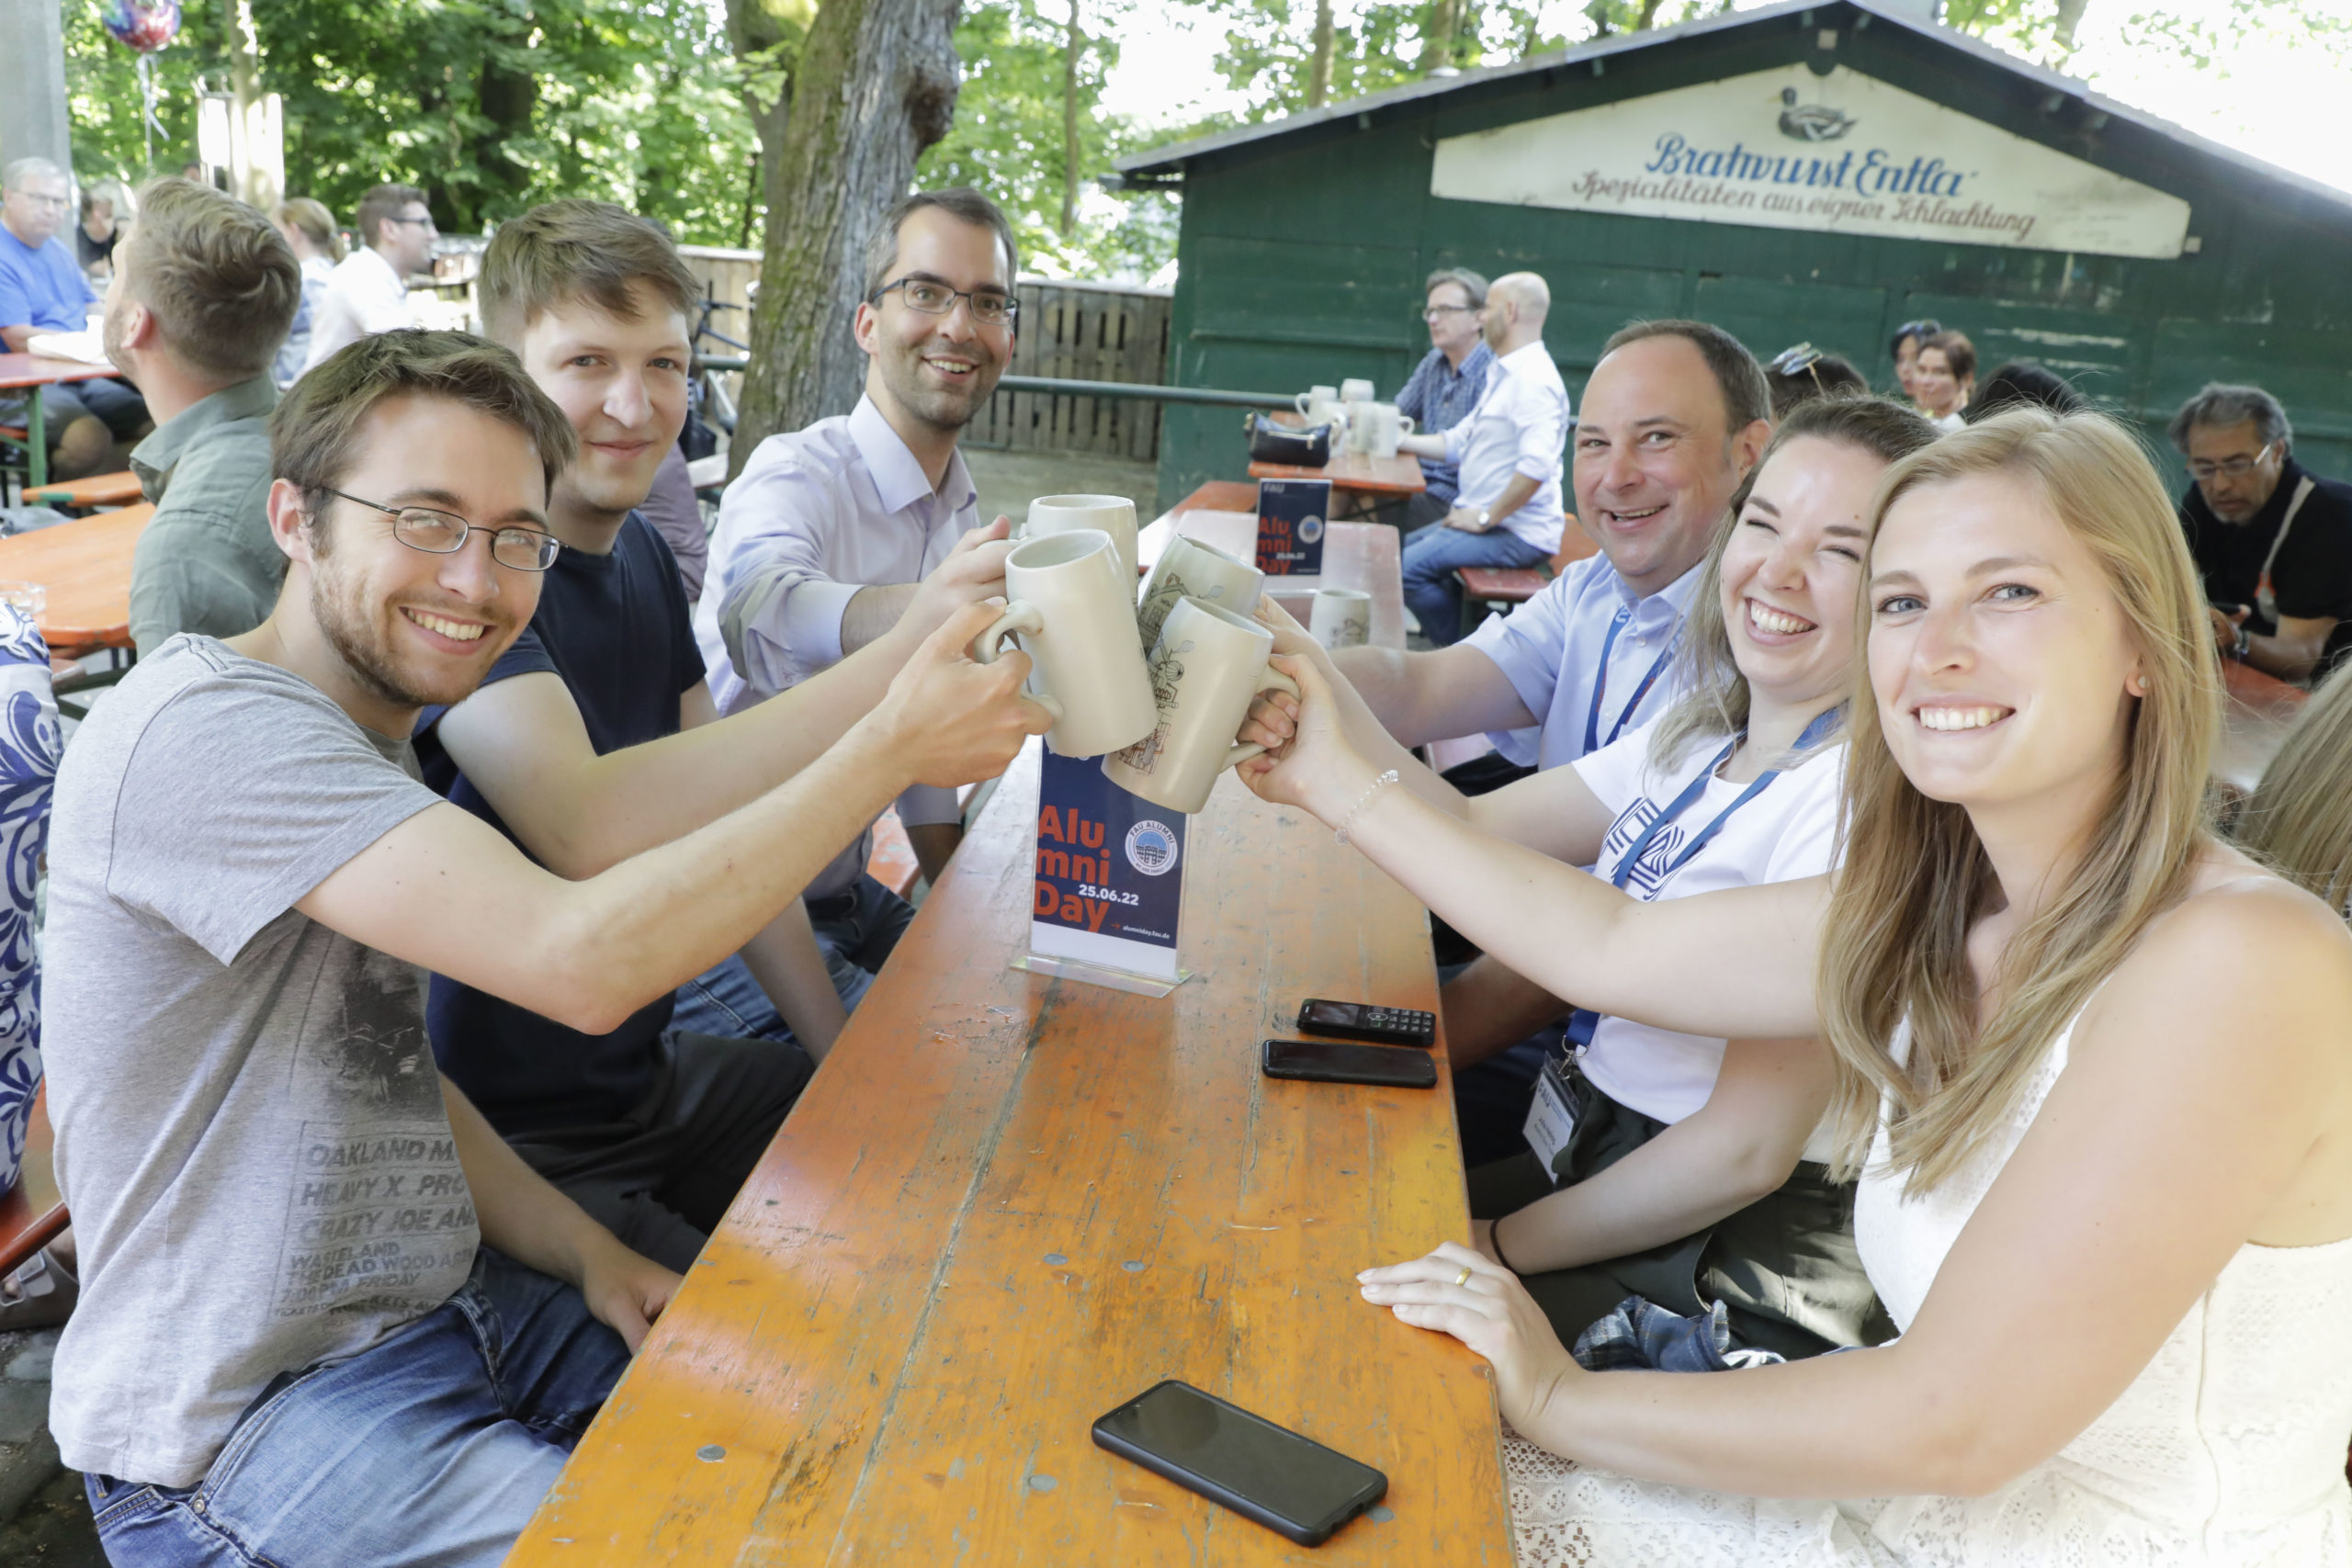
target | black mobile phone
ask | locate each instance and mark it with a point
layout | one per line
(1361, 1021)
(1290, 1484)
(1327, 1061)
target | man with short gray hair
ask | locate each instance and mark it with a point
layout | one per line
(1445, 385)
(43, 290)
(2272, 541)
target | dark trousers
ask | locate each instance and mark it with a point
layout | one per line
(661, 1177)
(117, 404)
(1785, 1266)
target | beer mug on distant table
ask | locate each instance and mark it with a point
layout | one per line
(1074, 609)
(1207, 666)
(1188, 569)
(1113, 515)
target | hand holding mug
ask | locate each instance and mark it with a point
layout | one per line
(953, 720)
(973, 571)
(1316, 768)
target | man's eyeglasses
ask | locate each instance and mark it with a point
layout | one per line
(38, 199)
(989, 308)
(426, 221)
(1434, 312)
(444, 533)
(2229, 468)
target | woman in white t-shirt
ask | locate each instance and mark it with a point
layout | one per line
(1673, 1166)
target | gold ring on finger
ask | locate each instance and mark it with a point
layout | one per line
(1463, 1278)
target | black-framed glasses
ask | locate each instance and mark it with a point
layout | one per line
(2205, 473)
(443, 533)
(990, 308)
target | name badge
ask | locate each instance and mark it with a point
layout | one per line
(1552, 1119)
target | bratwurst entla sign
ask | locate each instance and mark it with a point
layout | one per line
(1785, 149)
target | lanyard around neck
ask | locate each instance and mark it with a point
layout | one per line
(1617, 623)
(1814, 733)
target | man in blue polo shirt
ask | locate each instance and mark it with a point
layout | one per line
(593, 737)
(43, 290)
(1675, 416)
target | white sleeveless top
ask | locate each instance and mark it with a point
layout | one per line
(2228, 1448)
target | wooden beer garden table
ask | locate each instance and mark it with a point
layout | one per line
(1358, 476)
(1355, 554)
(29, 373)
(85, 565)
(1008, 1203)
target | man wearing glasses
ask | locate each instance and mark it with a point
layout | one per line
(43, 290)
(367, 291)
(2273, 541)
(824, 538)
(294, 1231)
(1445, 385)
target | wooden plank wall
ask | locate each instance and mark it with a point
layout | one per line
(1082, 332)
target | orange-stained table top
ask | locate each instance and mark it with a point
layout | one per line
(1007, 1204)
(1355, 554)
(1397, 475)
(18, 370)
(2255, 720)
(86, 566)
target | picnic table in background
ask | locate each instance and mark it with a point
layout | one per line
(2258, 712)
(1362, 556)
(85, 565)
(1358, 479)
(29, 373)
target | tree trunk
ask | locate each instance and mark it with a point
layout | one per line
(1319, 65)
(1438, 30)
(766, 38)
(1071, 45)
(1648, 15)
(2070, 17)
(257, 171)
(874, 86)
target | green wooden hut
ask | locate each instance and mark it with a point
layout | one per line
(1819, 173)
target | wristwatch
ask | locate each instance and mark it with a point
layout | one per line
(1485, 518)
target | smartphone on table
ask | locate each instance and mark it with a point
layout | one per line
(1361, 1021)
(1327, 1061)
(1290, 1484)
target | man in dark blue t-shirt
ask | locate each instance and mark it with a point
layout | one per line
(593, 738)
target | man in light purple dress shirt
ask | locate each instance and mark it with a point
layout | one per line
(824, 536)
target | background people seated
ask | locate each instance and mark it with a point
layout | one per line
(309, 229)
(1944, 378)
(1445, 385)
(2022, 384)
(43, 290)
(2272, 540)
(825, 536)
(104, 213)
(203, 289)
(367, 291)
(1507, 449)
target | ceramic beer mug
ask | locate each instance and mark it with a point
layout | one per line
(1355, 391)
(1076, 617)
(1341, 618)
(1188, 569)
(1205, 667)
(1307, 402)
(1113, 515)
(1378, 427)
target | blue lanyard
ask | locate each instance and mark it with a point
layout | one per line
(1600, 682)
(1582, 1022)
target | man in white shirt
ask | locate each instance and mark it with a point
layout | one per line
(1507, 513)
(367, 291)
(824, 537)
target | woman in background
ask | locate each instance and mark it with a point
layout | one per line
(309, 227)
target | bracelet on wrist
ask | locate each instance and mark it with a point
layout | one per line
(1383, 782)
(1495, 1241)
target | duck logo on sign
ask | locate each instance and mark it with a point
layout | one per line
(1812, 123)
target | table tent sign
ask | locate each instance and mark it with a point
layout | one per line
(1290, 513)
(1843, 153)
(1110, 888)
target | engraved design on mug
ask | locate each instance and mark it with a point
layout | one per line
(1166, 673)
(1162, 600)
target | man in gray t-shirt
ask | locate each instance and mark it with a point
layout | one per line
(327, 1315)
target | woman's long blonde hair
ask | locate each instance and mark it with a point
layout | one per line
(1916, 879)
(315, 222)
(1715, 698)
(2300, 818)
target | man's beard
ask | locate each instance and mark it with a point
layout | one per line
(363, 649)
(942, 408)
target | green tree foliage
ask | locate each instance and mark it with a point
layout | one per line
(488, 105)
(1009, 138)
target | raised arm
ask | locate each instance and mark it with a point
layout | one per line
(2148, 1168)
(1737, 964)
(446, 891)
(524, 745)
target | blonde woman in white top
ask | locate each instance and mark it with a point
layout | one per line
(2095, 1067)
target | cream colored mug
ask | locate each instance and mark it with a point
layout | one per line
(1376, 428)
(1206, 667)
(1355, 391)
(1188, 569)
(1072, 607)
(1341, 618)
(1113, 515)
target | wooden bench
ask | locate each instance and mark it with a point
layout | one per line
(1487, 585)
(87, 493)
(1221, 495)
(32, 1213)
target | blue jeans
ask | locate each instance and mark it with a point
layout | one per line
(856, 931)
(1433, 554)
(728, 1002)
(433, 1448)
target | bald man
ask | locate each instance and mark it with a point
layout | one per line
(1510, 448)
